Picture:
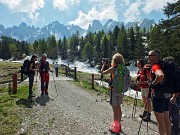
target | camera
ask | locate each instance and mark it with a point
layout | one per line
(106, 60)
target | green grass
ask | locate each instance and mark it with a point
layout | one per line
(84, 81)
(7, 69)
(10, 109)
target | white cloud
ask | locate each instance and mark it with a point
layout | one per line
(29, 7)
(64, 4)
(133, 12)
(150, 5)
(102, 11)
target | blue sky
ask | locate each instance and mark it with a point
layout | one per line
(78, 12)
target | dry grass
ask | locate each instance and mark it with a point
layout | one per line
(7, 69)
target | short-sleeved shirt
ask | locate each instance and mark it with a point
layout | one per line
(56, 65)
(143, 77)
(157, 90)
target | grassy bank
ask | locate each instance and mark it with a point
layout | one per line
(11, 106)
(7, 69)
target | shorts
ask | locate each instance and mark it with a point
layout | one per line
(115, 98)
(160, 105)
(144, 92)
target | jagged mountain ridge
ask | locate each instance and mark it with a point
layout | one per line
(30, 33)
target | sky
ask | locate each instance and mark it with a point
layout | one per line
(78, 12)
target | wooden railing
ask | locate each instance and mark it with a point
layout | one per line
(69, 70)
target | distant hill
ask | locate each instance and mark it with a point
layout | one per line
(30, 33)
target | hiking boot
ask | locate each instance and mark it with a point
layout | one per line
(42, 93)
(143, 115)
(147, 118)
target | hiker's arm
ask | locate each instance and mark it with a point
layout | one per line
(108, 71)
(173, 98)
(159, 77)
(31, 67)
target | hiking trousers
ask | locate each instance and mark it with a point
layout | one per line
(44, 81)
(31, 80)
(56, 69)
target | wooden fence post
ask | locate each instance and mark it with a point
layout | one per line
(66, 69)
(75, 75)
(14, 83)
(92, 81)
(22, 73)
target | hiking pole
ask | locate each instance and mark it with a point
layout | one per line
(98, 89)
(147, 104)
(134, 105)
(54, 83)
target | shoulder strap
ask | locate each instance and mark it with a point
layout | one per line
(145, 73)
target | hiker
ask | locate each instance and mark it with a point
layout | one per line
(173, 109)
(107, 65)
(31, 74)
(115, 98)
(160, 100)
(143, 80)
(44, 74)
(56, 66)
(174, 113)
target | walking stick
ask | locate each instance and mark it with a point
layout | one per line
(54, 83)
(147, 103)
(134, 105)
(98, 90)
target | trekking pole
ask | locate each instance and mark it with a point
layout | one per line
(54, 83)
(98, 89)
(147, 104)
(134, 105)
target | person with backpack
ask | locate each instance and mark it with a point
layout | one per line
(143, 79)
(116, 97)
(44, 74)
(174, 101)
(32, 70)
(56, 66)
(160, 100)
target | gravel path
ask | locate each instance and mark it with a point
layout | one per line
(74, 111)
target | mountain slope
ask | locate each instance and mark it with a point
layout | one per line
(31, 33)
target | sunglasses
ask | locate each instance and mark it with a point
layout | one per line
(151, 55)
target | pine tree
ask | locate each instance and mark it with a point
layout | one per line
(105, 47)
(88, 53)
(73, 48)
(64, 49)
(132, 43)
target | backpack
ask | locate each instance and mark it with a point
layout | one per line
(171, 80)
(121, 80)
(177, 80)
(25, 68)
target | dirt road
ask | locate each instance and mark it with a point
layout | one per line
(74, 111)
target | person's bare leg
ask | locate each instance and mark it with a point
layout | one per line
(161, 122)
(119, 113)
(115, 110)
(167, 123)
